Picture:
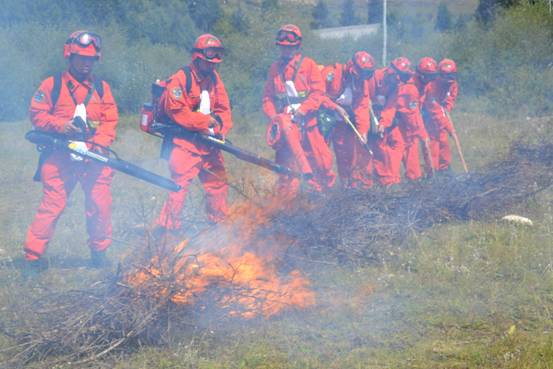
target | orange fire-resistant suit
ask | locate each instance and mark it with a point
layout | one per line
(388, 149)
(59, 174)
(353, 161)
(412, 129)
(439, 97)
(301, 145)
(188, 158)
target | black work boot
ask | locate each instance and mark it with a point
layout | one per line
(99, 259)
(33, 268)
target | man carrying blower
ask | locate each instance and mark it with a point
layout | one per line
(196, 100)
(75, 105)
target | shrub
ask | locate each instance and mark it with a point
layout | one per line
(509, 63)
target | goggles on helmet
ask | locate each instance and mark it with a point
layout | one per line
(212, 53)
(287, 36)
(449, 76)
(428, 76)
(86, 38)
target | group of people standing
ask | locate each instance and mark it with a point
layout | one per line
(376, 119)
(379, 118)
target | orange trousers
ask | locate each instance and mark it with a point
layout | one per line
(303, 150)
(59, 177)
(439, 147)
(411, 156)
(184, 167)
(353, 161)
(388, 152)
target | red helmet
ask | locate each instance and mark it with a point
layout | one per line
(209, 48)
(401, 65)
(289, 35)
(83, 43)
(448, 69)
(427, 65)
(362, 64)
(447, 66)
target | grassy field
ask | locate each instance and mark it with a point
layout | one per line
(463, 295)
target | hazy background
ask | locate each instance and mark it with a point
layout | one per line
(445, 298)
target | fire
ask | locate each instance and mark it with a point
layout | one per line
(245, 272)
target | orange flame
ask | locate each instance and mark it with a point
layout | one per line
(246, 274)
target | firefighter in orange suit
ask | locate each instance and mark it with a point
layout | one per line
(438, 101)
(291, 98)
(204, 108)
(388, 145)
(409, 119)
(348, 91)
(60, 103)
(426, 72)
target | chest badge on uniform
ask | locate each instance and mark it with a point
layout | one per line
(93, 124)
(177, 92)
(39, 96)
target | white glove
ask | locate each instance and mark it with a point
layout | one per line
(80, 147)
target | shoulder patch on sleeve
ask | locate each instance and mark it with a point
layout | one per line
(39, 96)
(177, 92)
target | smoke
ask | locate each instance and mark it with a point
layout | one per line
(344, 245)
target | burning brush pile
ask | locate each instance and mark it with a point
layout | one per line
(232, 268)
(251, 266)
(231, 258)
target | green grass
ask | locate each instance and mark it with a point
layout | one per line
(464, 295)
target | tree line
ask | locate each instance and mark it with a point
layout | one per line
(499, 69)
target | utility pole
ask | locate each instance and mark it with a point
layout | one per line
(385, 31)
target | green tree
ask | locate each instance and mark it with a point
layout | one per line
(239, 21)
(159, 21)
(320, 15)
(461, 22)
(486, 10)
(205, 13)
(443, 18)
(269, 5)
(348, 17)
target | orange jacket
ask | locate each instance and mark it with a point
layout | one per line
(383, 96)
(101, 112)
(182, 108)
(440, 95)
(442, 92)
(420, 84)
(308, 83)
(337, 79)
(408, 109)
(401, 101)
